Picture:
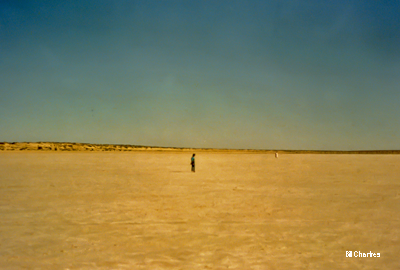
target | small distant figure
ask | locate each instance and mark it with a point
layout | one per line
(276, 154)
(192, 162)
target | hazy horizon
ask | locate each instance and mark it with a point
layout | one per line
(18, 145)
(303, 75)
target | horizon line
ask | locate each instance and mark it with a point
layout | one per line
(200, 148)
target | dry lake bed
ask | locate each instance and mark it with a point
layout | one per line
(147, 210)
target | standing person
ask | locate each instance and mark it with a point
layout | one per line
(276, 154)
(192, 162)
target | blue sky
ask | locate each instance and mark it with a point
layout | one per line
(223, 74)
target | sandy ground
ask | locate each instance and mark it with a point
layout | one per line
(146, 210)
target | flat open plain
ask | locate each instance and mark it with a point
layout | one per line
(146, 210)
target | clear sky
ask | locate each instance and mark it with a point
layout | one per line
(257, 74)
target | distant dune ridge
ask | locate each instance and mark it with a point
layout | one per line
(66, 146)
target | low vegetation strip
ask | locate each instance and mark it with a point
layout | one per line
(66, 146)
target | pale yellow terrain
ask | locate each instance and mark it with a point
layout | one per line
(146, 210)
